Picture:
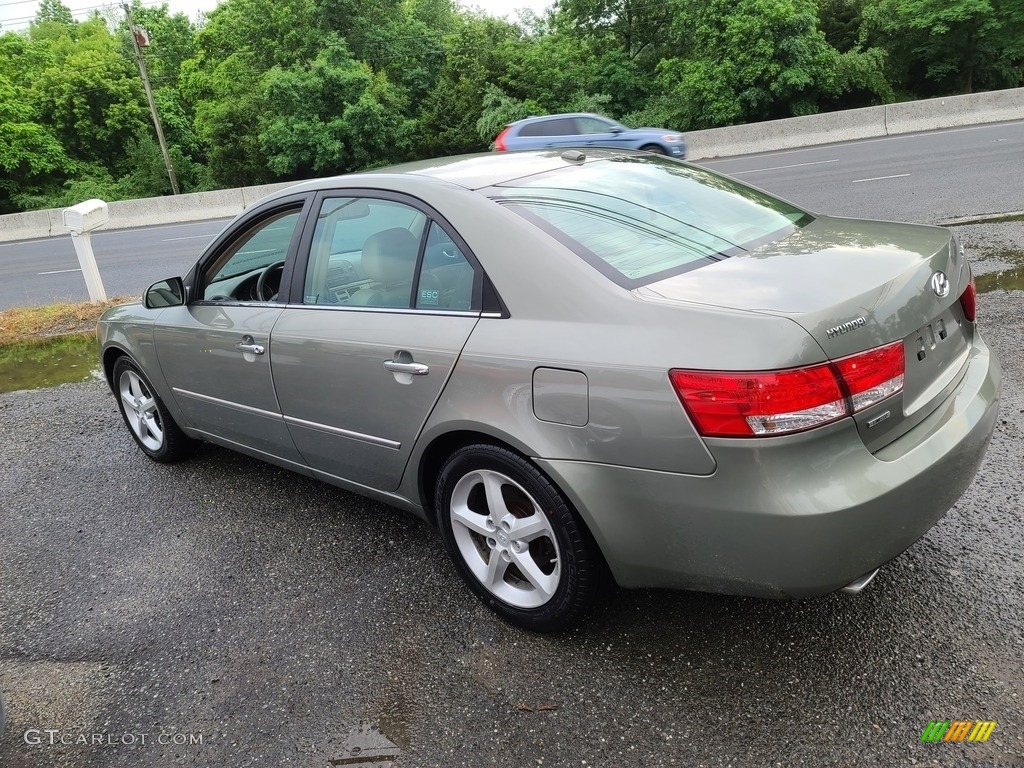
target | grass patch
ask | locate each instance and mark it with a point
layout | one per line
(995, 218)
(21, 324)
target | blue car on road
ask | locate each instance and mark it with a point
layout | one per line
(587, 130)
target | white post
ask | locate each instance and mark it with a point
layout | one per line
(80, 220)
(86, 257)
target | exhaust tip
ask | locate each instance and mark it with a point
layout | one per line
(857, 585)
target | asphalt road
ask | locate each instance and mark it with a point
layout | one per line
(264, 619)
(927, 178)
(921, 177)
(34, 272)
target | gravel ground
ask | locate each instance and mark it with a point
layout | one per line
(256, 617)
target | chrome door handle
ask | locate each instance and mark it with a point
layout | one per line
(416, 369)
(256, 349)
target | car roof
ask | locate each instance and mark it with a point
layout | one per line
(469, 171)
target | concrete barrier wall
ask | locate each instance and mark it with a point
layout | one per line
(825, 128)
(147, 212)
(869, 122)
(768, 136)
(952, 111)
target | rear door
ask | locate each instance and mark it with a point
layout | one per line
(556, 132)
(379, 314)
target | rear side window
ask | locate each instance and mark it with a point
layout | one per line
(364, 253)
(563, 126)
(639, 220)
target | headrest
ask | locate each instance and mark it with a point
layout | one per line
(390, 256)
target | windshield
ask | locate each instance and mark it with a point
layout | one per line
(641, 219)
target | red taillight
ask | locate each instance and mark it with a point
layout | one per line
(764, 403)
(499, 143)
(872, 376)
(969, 300)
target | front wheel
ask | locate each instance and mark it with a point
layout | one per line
(146, 416)
(654, 148)
(515, 539)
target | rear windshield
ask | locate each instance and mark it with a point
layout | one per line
(642, 219)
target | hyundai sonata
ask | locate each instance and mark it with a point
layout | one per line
(576, 365)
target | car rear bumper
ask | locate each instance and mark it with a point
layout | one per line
(796, 516)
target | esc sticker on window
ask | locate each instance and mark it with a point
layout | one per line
(429, 298)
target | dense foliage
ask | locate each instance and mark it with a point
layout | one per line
(269, 90)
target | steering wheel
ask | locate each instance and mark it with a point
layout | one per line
(264, 291)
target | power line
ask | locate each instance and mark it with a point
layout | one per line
(26, 21)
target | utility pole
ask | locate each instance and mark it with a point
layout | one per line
(149, 95)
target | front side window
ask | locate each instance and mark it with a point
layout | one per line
(642, 219)
(594, 125)
(257, 253)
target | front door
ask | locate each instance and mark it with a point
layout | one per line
(215, 350)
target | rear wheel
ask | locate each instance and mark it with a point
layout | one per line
(146, 416)
(515, 539)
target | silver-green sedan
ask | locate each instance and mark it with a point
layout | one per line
(579, 366)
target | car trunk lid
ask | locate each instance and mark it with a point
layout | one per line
(854, 285)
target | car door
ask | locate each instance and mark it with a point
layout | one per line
(388, 297)
(215, 350)
(596, 132)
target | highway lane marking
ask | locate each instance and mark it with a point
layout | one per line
(854, 142)
(66, 236)
(190, 237)
(879, 178)
(780, 167)
(60, 271)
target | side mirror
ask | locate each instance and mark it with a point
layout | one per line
(166, 293)
(616, 130)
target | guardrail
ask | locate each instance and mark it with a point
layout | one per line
(768, 136)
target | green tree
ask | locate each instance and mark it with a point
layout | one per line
(639, 28)
(29, 152)
(242, 41)
(88, 93)
(472, 62)
(54, 12)
(747, 60)
(949, 46)
(333, 116)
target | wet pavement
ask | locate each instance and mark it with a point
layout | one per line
(224, 612)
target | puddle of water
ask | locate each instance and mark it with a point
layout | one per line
(1003, 280)
(367, 747)
(62, 360)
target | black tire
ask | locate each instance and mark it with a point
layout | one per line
(653, 148)
(541, 601)
(149, 422)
